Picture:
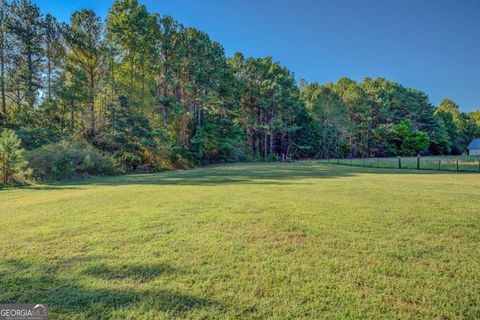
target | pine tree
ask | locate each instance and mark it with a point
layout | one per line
(133, 35)
(54, 51)
(132, 135)
(12, 164)
(4, 54)
(25, 26)
(84, 38)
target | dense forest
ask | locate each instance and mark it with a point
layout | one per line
(141, 92)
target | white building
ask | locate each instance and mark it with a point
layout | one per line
(474, 147)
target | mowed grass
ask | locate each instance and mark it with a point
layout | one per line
(273, 240)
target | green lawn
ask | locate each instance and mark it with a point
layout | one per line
(298, 240)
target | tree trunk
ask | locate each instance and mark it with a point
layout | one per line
(271, 141)
(265, 149)
(259, 135)
(143, 90)
(5, 176)
(2, 88)
(2, 80)
(83, 121)
(132, 58)
(199, 111)
(92, 104)
(287, 147)
(30, 90)
(368, 140)
(324, 146)
(49, 79)
(72, 115)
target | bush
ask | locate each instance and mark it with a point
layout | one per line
(13, 166)
(68, 159)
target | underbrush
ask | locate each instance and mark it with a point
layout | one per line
(68, 159)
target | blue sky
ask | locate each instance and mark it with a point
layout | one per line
(430, 45)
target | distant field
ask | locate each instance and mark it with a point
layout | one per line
(273, 240)
(440, 163)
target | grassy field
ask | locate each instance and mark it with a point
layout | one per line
(298, 240)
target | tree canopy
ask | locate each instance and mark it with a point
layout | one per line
(148, 92)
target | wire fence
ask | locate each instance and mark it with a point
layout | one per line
(440, 163)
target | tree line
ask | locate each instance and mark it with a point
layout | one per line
(142, 92)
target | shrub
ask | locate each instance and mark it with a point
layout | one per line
(408, 142)
(68, 159)
(13, 166)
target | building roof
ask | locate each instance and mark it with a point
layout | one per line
(475, 144)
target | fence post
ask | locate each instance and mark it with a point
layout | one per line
(478, 165)
(338, 161)
(399, 163)
(364, 162)
(418, 162)
(457, 165)
(439, 165)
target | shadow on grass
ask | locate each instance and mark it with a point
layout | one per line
(99, 291)
(247, 173)
(57, 186)
(137, 272)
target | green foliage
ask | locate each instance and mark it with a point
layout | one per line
(36, 137)
(460, 127)
(130, 136)
(13, 166)
(25, 27)
(153, 94)
(66, 160)
(5, 59)
(86, 50)
(329, 112)
(475, 116)
(407, 141)
(133, 34)
(269, 106)
(360, 120)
